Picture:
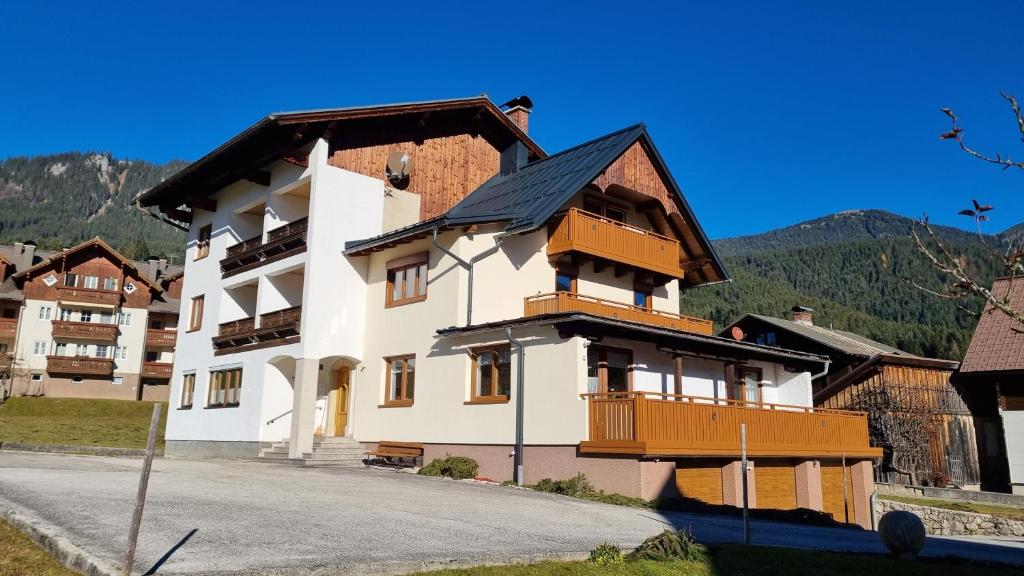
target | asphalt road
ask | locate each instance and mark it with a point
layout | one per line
(222, 516)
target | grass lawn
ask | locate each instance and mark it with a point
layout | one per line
(735, 560)
(20, 556)
(79, 422)
(961, 505)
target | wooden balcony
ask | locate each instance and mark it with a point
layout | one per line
(67, 294)
(8, 327)
(655, 424)
(559, 302)
(161, 338)
(280, 322)
(157, 369)
(282, 242)
(79, 365)
(596, 236)
(65, 329)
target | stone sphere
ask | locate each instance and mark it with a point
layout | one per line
(902, 533)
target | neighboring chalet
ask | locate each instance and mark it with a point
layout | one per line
(992, 375)
(86, 322)
(860, 368)
(425, 273)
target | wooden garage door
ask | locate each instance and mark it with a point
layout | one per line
(775, 484)
(700, 479)
(832, 491)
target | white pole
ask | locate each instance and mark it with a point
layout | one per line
(140, 496)
(743, 472)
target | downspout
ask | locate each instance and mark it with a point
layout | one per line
(469, 267)
(822, 373)
(520, 364)
(873, 501)
(14, 355)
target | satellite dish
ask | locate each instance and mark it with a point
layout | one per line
(737, 333)
(399, 169)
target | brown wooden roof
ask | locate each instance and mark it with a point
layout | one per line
(998, 341)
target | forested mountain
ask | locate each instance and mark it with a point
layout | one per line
(851, 268)
(63, 199)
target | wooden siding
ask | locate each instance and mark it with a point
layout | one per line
(8, 326)
(93, 261)
(832, 491)
(700, 480)
(775, 484)
(580, 231)
(445, 169)
(559, 302)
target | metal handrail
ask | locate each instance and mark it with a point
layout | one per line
(278, 417)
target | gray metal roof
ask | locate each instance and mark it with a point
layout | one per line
(845, 342)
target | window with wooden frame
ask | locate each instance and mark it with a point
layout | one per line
(195, 313)
(643, 295)
(606, 209)
(407, 280)
(746, 384)
(609, 369)
(565, 278)
(401, 380)
(203, 242)
(491, 379)
(188, 388)
(225, 388)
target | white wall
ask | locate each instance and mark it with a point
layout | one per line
(1013, 430)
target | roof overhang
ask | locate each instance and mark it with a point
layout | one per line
(874, 365)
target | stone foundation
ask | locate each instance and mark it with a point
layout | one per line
(942, 522)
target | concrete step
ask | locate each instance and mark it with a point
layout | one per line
(337, 449)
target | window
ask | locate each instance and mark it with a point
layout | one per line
(643, 296)
(117, 380)
(407, 280)
(10, 313)
(102, 350)
(746, 384)
(129, 288)
(766, 339)
(152, 356)
(195, 315)
(81, 350)
(37, 377)
(203, 242)
(65, 314)
(86, 316)
(565, 279)
(188, 387)
(3, 348)
(77, 379)
(156, 324)
(45, 312)
(110, 284)
(39, 348)
(50, 280)
(120, 352)
(492, 374)
(61, 349)
(125, 319)
(401, 380)
(225, 387)
(106, 317)
(603, 208)
(91, 282)
(609, 369)
(70, 279)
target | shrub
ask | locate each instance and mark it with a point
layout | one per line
(607, 554)
(578, 486)
(617, 499)
(457, 467)
(669, 545)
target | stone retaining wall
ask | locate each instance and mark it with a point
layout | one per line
(942, 522)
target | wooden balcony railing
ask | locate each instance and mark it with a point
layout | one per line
(79, 365)
(281, 241)
(557, 302)
(83, 330)
(657, 424)
(580, 231)
(8, 326)
(88, 295)
(157, 369)
(234, 328)
(288, 318)
(156, 337)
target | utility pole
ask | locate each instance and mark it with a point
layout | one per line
(743, 472)
(140, 496)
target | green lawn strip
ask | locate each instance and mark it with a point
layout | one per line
(1011, 512)
(20, 556)
(79, 422)
(736, 560)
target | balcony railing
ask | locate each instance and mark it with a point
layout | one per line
(275, 328)
(88, 295)
(79, 365)
(84, 330)
(580, 231)
(656, 424)
(287, 319)
(8, 326)
(281, 241)
(156, 337)
(157, 369)
(557, 302)
(236, 328)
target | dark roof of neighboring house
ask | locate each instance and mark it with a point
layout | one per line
(284, 133)
(998, 341)
(530, 196)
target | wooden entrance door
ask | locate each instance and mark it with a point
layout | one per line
(341, 401)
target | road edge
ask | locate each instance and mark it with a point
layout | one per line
(51, 539)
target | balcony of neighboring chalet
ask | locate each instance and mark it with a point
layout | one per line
(79, 365)
(8, 327)
(607, 241)
(565, 302)
(161, 338)
(92, 331)
(70, 295)
(154, 369)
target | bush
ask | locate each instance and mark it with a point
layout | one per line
(607, 554)
(669, 545)
(578, 486)
(457, 467)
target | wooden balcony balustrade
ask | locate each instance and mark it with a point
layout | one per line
(594, 235)
(281, 320)
(281, 242)
(79, 365)
(156, 337)
(83, 330)
(275, 328)
(558, 302)
(88, 295)
(157, 369)
(8, 326)
(657, 424)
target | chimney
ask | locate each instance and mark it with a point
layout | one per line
(24, 254)
(518, 111)
(154, 267)
(803, 315)
(513, 158)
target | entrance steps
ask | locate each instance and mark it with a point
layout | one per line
(327, 451)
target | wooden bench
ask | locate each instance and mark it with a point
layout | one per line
(397, 452)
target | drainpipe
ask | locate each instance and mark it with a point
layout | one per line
(520, 364)
(873, 501)
(822, 373)
(469, 266)
(14, 357)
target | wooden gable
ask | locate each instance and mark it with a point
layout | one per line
(90, 259)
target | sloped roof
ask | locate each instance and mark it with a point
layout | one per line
(839, 340)
(998, 343)
(97, 242)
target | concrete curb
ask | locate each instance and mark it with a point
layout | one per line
(49, 538)
(81, 450)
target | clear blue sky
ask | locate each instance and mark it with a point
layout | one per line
(767, 113)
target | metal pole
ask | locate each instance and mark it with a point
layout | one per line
(140, 496)
(520, 407)
(846, 503)
(743, 472)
